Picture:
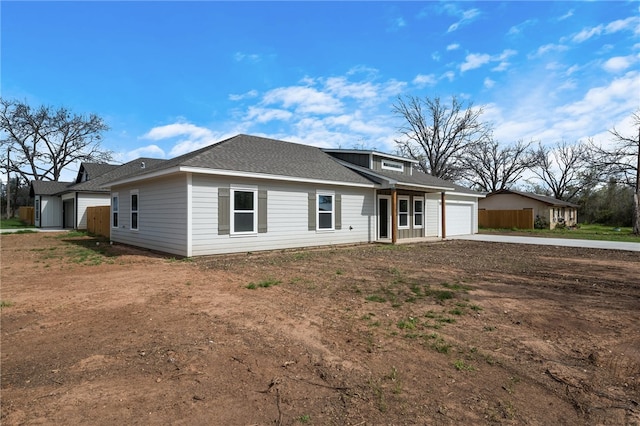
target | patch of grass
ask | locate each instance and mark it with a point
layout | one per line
(339, 272)
(462, 366)
(375, 298)
(21, 231)
(583, 231)
(5, 304)
(407, 324)
(263, 284)
(13, 223)
(456, 311)
(305, 418)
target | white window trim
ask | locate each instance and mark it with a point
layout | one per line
(116, 210)
(396, 166)
(232, 225)
(408, 212)
(331, 194)
(131, 194)
(415, 213)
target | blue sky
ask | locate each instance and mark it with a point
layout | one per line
(170, 77)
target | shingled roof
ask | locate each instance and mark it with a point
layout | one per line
(97, 184)
(258, 155)
(47, 187)
(554, 202)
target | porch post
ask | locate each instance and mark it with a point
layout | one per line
(443, 213)
(394, 216)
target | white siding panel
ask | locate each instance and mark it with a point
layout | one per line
(89, 200)
(51, 212)
(432, 215)
(162, 215)
(287, 217)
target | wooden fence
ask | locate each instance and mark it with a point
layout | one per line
(26, 215)
(99, 220)
(506, 219)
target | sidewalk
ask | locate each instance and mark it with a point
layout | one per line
(14, 230)
(558, 242)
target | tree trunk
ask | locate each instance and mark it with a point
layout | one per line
(636, 213)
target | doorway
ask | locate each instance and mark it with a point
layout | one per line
(384, 217)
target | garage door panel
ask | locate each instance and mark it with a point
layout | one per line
(459, 219)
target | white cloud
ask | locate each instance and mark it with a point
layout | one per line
(304, 100)
(246, 57)
(248, 95)
(619, 63)
(264, 115)
(567, 15)
(453, 46)
(488, 83)
(475, 60)
(548, 48)
(632, 24)
(177, 129)
(519, 29)
(150, 151)
(422, 80)
(192, 137)
(396, 24)
(468, 16)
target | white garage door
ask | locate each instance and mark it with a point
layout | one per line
(459, 219)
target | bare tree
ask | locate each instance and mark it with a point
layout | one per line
(437, 135)
(491, 167)
(622, 164)
(563, 168)
(44, 141)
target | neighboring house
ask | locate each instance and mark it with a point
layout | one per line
(64, 204)
(48, 208)
(249, 193)
(551, 210)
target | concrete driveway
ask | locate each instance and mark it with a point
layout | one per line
(558, 242)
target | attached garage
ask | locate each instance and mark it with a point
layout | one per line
(461, 216)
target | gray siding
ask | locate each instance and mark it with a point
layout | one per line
(162, 215)
(287, 217)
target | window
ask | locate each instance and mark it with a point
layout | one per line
(244, 217)
(325, 211)
(403, 212)
(114, 210)
(134, 210)
(418, 212)
(392, 165)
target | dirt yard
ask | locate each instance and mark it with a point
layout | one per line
(441, 333)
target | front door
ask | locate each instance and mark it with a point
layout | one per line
(384, 217)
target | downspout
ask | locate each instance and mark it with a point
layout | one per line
(394, 216)
(443, 213)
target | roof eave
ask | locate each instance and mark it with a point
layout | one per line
(235, 173)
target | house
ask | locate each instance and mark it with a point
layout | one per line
(64, 204)
(48, 208)
(546, 210)
(249, 193)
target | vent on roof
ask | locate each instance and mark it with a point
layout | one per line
(142, 165)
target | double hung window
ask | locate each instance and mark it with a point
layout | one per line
(326, 212)
(134, 210)
(403, 212)
(418, 212)
(244, 215)
(114, 210)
